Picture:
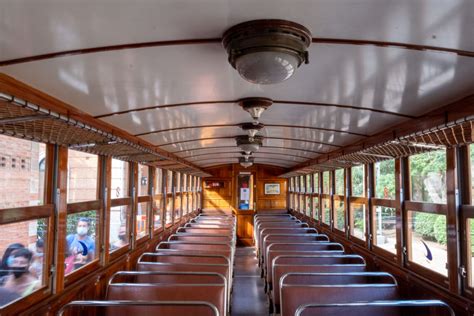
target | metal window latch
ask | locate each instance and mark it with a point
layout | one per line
(405, 251)
(52, 269)
(462, 272)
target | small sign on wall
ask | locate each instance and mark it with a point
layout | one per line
(272, 188)
(213, 184)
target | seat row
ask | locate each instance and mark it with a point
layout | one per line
(189, 274)
(307, 274)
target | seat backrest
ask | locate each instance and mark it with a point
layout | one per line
(180, 286)
(291, 238)
(386, 308)
(298, 289)
(210, 225)
(283, 230)
(200, 237)
(185, 258)
(207, 231)
(284, 264)
(287, 224)
(122, 308)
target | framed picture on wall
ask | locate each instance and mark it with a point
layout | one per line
(272, 188)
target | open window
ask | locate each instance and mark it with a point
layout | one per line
(326, 199)
(339, 200)
(358, 204)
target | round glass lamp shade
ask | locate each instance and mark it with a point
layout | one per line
(249, 147)
(266, 67)
(246, 164)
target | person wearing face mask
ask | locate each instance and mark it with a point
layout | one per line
(20, 280)
(122, 238)
(81, 245)
(7, 258)
(36, 267)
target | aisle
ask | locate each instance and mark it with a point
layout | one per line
(248, 297)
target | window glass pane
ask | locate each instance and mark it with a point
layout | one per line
(302, 184)
(326, 206)
(315, 207)
(158, 181)
(177, 206)
(82, 173)
(316, 183)
(339, 182)
(177, 183)
(22, 165)
(301, 203)
(357, 177)
(157, 208)
(291, 185)
(385, 228)
(428, 177)
(309, 187)
(308, 205)
(326, 185)
(169, 181)
(184, 205)
(143, 176)
(185, 183)
(119, 234)
(339, 218)
(169, 209)
(81, 240)
(470, 250)
(120, 179)
(141, 229)
(358, 220)
(427, 241)
(385, 179)
(22, 247)
(471, 155)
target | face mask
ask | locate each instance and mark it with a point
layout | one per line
(81, 231)
(122, 237)
(18, 272)
(10, 261)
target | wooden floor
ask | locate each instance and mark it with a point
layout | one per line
(248, 296)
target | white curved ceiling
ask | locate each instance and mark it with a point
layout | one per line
(181, 97)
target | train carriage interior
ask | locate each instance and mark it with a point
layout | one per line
(227, 158)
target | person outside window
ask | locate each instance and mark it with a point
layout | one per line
(20, 280)
(80, 245)
(7, 258)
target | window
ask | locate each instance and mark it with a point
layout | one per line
(21, 172)
(309, 187)
(119, 219)
(141, 228)
(326, 207)
(358, 220)
(297, 185)
(357, 179)
(339, 182)
(316, 183)
(82, 176)
(23, 245)
(326, 183)
(158, 199)
(169, 197)
(470, 249)
(178, 196)
(143, 176)
(385, 179)
(82, 238)
(384, 228)
(427, 238)
(316, 207)
(339, 216)
(302, 184)
(308, 205)
(428, 177)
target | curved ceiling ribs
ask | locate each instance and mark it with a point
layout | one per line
(329, 41)
(342, 106)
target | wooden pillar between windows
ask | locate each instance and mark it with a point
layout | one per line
(452, 221)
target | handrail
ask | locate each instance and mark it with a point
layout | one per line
(116, 303)
(401, 303)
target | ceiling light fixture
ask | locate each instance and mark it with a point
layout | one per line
(255, 106)
(246, 162)
(246, 155)
(267, 51)
(251, 128)
(248, 145)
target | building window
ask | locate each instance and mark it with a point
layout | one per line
(82, 176)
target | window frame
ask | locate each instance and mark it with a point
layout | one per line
(336, 198)
(142, 199)
(353, 199)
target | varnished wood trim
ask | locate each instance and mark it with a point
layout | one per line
(200, 41)
(99, 49)
(73, 208)
(235, 147)
(232, 102)
(146, 198)
(266, 125)
(433, 208)
(383, 202)
(121, 201)
(12, 215)
(232, 137)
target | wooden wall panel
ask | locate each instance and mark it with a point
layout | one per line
(226, 197)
